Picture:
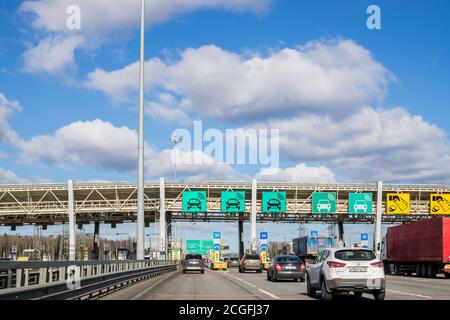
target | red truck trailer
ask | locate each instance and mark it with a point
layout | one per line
(421, 247)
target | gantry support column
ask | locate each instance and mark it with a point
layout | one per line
(341, 232)
(162, 217)
(253, 243)
(377, 227)
(96, 249)
(241, 234)
(72, 221)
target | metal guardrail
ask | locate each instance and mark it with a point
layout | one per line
(67, 280)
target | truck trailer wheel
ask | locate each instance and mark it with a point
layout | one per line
(418, 270)
(424, 270)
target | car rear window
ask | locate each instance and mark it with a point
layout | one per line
(194, 256)
(253, 257)
(291, 259)
(355, 255)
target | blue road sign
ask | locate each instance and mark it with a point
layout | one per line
(314, 234)
(263, 247)
(216, 235)
(364, 237)
(263, 235)
(217, 246)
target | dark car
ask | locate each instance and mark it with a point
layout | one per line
(251, 262)
(233, 203)
(233, 262)
(274, 203)
(193, 262)
(194, 203)
(286, 267)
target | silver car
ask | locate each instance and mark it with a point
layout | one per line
(346, 270)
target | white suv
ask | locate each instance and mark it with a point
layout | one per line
(346, 270)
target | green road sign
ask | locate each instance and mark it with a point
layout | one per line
(273, 202)
(199, 246)
(194, 201)
(233, 201)
(360, 203)
(324, 202)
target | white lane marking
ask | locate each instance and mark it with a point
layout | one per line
(269, 294)
(248, 283)
(410, 294)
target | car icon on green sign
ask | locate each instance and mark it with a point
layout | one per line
(194, 203)
(360, 206)
(274, 203)
(233, 203)
(323, 206)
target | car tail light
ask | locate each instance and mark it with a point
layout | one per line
(302, 267)
(245, 261)
(334, 264)
(378, 264)
(278, 267)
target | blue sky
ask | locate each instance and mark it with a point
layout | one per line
(355, 104)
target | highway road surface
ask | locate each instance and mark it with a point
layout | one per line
(232, 285)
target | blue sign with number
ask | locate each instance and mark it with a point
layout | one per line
(217, 246)
(216, 235)
(263, 247)
(314, 233)
(364, 237)
(263, 235)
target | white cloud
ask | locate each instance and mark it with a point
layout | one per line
(167, 109)
(7, 108)
(52, 55)
(370, 144)
(103, 17)
(103, 21)
(100, 144)
(119, 83)
(321, 76)
(301, 173)
(8, 177)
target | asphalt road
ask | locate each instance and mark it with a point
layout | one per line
(232, 285)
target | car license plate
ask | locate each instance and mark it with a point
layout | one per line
(357, 269)
(290, 267)
(193, 262)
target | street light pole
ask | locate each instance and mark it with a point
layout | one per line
(176, 140)
(140, 194)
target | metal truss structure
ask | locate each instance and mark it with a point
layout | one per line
(116, 202)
